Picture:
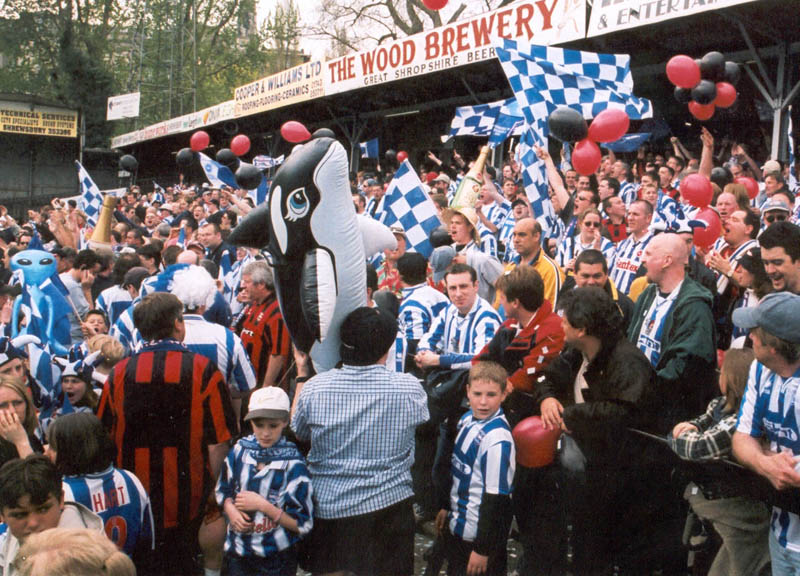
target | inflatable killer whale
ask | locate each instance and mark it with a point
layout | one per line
(309, 226)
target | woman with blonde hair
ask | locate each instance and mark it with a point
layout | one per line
(110, 349)
(18, 420)
(72, 552)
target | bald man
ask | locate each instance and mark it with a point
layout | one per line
(527, 239)
(673, 325)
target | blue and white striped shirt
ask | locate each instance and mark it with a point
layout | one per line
(119, 498)
(488, 241)
(125, 331)
(223, 348)
(627, 260)
(458, 338)
(497, 213)
(483, 462)
(114, 300)
(420, 305)
(770, 408)
(627, 192)
(277, 474)
(361, 421)
(571, 247)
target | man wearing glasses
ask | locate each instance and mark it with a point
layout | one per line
(776, 209)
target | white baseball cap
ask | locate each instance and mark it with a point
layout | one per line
(269, 402)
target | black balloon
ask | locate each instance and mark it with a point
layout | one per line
(682, 95)
(721, 176)
(128, 163)
(226, 157)
(712, 66)
(567, 124)
(440, 237)
(323, 133)
(390, 156)
(732, 73)
(704, 92)
(185, 158)
(248, 176)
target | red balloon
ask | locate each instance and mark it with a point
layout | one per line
(749, 183)
(434, 4)
(535, 445)
(402, 156)
(726, 95)
(586, 157)
(609, 126)
(702, 111)
(295, 132)
(683, 71)
(697, 191)
(240, 144)
(705, 237)
(199, 141)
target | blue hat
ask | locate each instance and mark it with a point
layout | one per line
(777, 313)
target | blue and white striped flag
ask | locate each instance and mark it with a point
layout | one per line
(407, 203)
(543, 78)
(263, 162)
(369, 149)
(160, 195)
(217, 174)
(91, 198)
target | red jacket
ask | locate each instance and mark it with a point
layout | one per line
(525, 355)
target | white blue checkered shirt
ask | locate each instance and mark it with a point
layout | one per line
(361, 422)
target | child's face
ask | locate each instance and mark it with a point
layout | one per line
(74, 389)
(268, 430)
(27, 518)
(485, 397)
(97, 324)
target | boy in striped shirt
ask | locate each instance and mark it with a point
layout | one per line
(265, 490)
(475, 528)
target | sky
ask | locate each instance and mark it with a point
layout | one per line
(316, 48)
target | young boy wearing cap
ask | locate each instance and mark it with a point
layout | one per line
(475, 528)
(265, 491)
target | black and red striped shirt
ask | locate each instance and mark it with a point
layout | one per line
(264, 334)
(163, 407)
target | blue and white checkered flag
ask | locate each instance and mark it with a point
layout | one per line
(91, 198)
(509, 119)
(494, 119)
(545, 77)
(369, 149)
(407, 203)
(217, 174)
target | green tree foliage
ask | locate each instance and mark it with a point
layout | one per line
(181, 54)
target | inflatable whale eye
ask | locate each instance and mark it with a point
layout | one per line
(308, 225)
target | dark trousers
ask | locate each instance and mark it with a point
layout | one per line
(283, 563)
(457, 552)
(174, 552)
(379, 543)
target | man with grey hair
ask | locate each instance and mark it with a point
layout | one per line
(261, 325)
(195, 287)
